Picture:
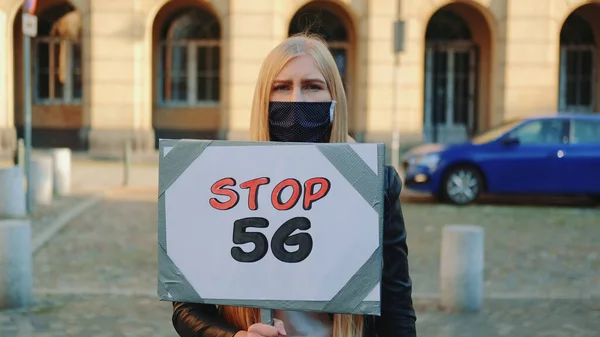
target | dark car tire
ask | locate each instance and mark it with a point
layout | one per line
(595, 198)
(471, 185)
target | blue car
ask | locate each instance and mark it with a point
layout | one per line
(553, 155)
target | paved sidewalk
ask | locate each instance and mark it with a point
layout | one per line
(514, 318)
(90, 316)
(97, 276)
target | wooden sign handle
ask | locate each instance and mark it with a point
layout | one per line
(266, 316)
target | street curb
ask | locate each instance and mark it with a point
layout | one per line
(417, 297)
(517, 296)
(57, 224)
(75, 291)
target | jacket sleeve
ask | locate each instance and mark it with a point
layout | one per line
(200, 320)
(397, 313)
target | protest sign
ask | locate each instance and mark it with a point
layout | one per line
(271, 225)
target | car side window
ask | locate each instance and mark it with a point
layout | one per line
(585, 132)
(540, 132)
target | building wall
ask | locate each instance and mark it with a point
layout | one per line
(517, 70)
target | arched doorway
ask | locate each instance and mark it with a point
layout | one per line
(334, 26)
(187, 72)
(457, 74)
(579, 59)
(56, 77)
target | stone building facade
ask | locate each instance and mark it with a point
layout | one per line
(104, 71)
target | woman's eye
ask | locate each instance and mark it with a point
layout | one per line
(313, 87)
(280, 87)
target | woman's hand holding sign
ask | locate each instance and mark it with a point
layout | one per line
(264, 330)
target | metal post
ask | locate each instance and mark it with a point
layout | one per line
(126, 161)
(395, 117)
(398, 47)
(27, 124)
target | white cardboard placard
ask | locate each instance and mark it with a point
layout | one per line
(271, 225)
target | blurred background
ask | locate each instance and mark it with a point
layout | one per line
(490, 107)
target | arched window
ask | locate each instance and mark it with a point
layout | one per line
(331, 28)
(190, 59)
(576, 31)
(451, 73)
(577, 63)
(57, 57)
(446, 25)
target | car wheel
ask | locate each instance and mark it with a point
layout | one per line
(462, 185)
(595, 198)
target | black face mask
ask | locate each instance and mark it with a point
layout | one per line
(308, 122)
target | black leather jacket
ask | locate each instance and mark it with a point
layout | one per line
(397, 313)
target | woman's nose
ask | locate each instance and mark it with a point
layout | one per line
(296, 95)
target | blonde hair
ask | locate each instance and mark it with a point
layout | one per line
(344, 325)
(292, 47)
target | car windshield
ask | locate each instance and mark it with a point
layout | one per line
(495, 132)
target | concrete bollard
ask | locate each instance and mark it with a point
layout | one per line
(461, 269)
(16, 270)
(12, 193)
(61, 158)
(42, 186)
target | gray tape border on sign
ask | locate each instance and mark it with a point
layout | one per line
(179, 158)
(350, 299)
(172, 282)
(360, 175)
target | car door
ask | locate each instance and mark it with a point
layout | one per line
(582, 157)
(533, 163)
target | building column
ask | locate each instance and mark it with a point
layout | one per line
(377, 54)
(532, 56)
(246, 49)
(118, 63)
(8, 134)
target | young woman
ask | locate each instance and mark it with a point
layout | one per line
(299, 97)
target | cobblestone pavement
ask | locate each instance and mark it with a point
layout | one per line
(93, 176)
(91, 316)
(97, 277)
(530, 251)
(43, 215)
(99, 176)
(514, 318)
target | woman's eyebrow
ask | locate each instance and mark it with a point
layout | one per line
(307, 79)
(313, 80)
(276, 82)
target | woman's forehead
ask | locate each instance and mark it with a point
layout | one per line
(301, 67)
